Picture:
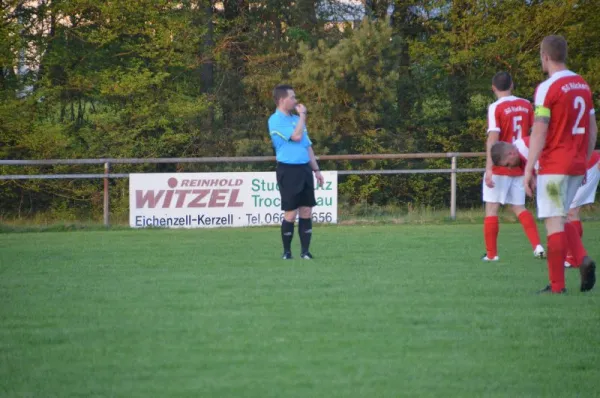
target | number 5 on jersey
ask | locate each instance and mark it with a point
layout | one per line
(517, 128)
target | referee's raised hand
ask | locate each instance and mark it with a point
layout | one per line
(301, 109)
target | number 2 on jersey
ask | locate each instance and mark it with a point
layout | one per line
(579, 104)
(517, 129)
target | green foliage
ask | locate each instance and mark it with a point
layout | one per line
(348, 86)
(90, 79)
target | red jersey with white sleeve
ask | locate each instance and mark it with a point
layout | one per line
(511, 117)
(566, 99)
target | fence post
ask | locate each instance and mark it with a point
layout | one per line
(453, 189)
(106, 196)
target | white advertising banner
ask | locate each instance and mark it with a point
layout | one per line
(205, 200)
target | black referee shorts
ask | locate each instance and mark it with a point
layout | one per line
(296, 186)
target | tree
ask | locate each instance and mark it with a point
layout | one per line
(156, 78)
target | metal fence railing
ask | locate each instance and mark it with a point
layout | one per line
(107, 175)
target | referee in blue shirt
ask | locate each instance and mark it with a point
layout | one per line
(296, 163)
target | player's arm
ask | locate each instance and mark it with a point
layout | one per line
(538, 138)
(285, 130)
(313, 160)
(530, 120)
(314, 165)
(536, 144)
(299, 130)
(492, 137)
(593, 134)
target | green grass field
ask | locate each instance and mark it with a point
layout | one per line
(383, 311)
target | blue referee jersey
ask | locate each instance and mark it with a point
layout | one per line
(281, 128)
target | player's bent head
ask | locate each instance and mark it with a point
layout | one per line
(501, 153)
(555, 48)
(281, 92)
(502, 81)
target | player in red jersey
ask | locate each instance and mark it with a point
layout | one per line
(563, 138)
(509, 118)
(515, 156)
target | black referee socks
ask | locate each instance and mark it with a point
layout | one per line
(287, 233)
(305, 232)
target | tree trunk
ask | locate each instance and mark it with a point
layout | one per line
(207, 48)
(376, 9)
(401, 20)
(458, 84)
(308, 14)
(233, 8)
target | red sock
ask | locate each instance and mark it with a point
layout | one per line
(570, 258)
(490, 233)
(574, 243)
(530, 228)
(578, 226)
(557, 251)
